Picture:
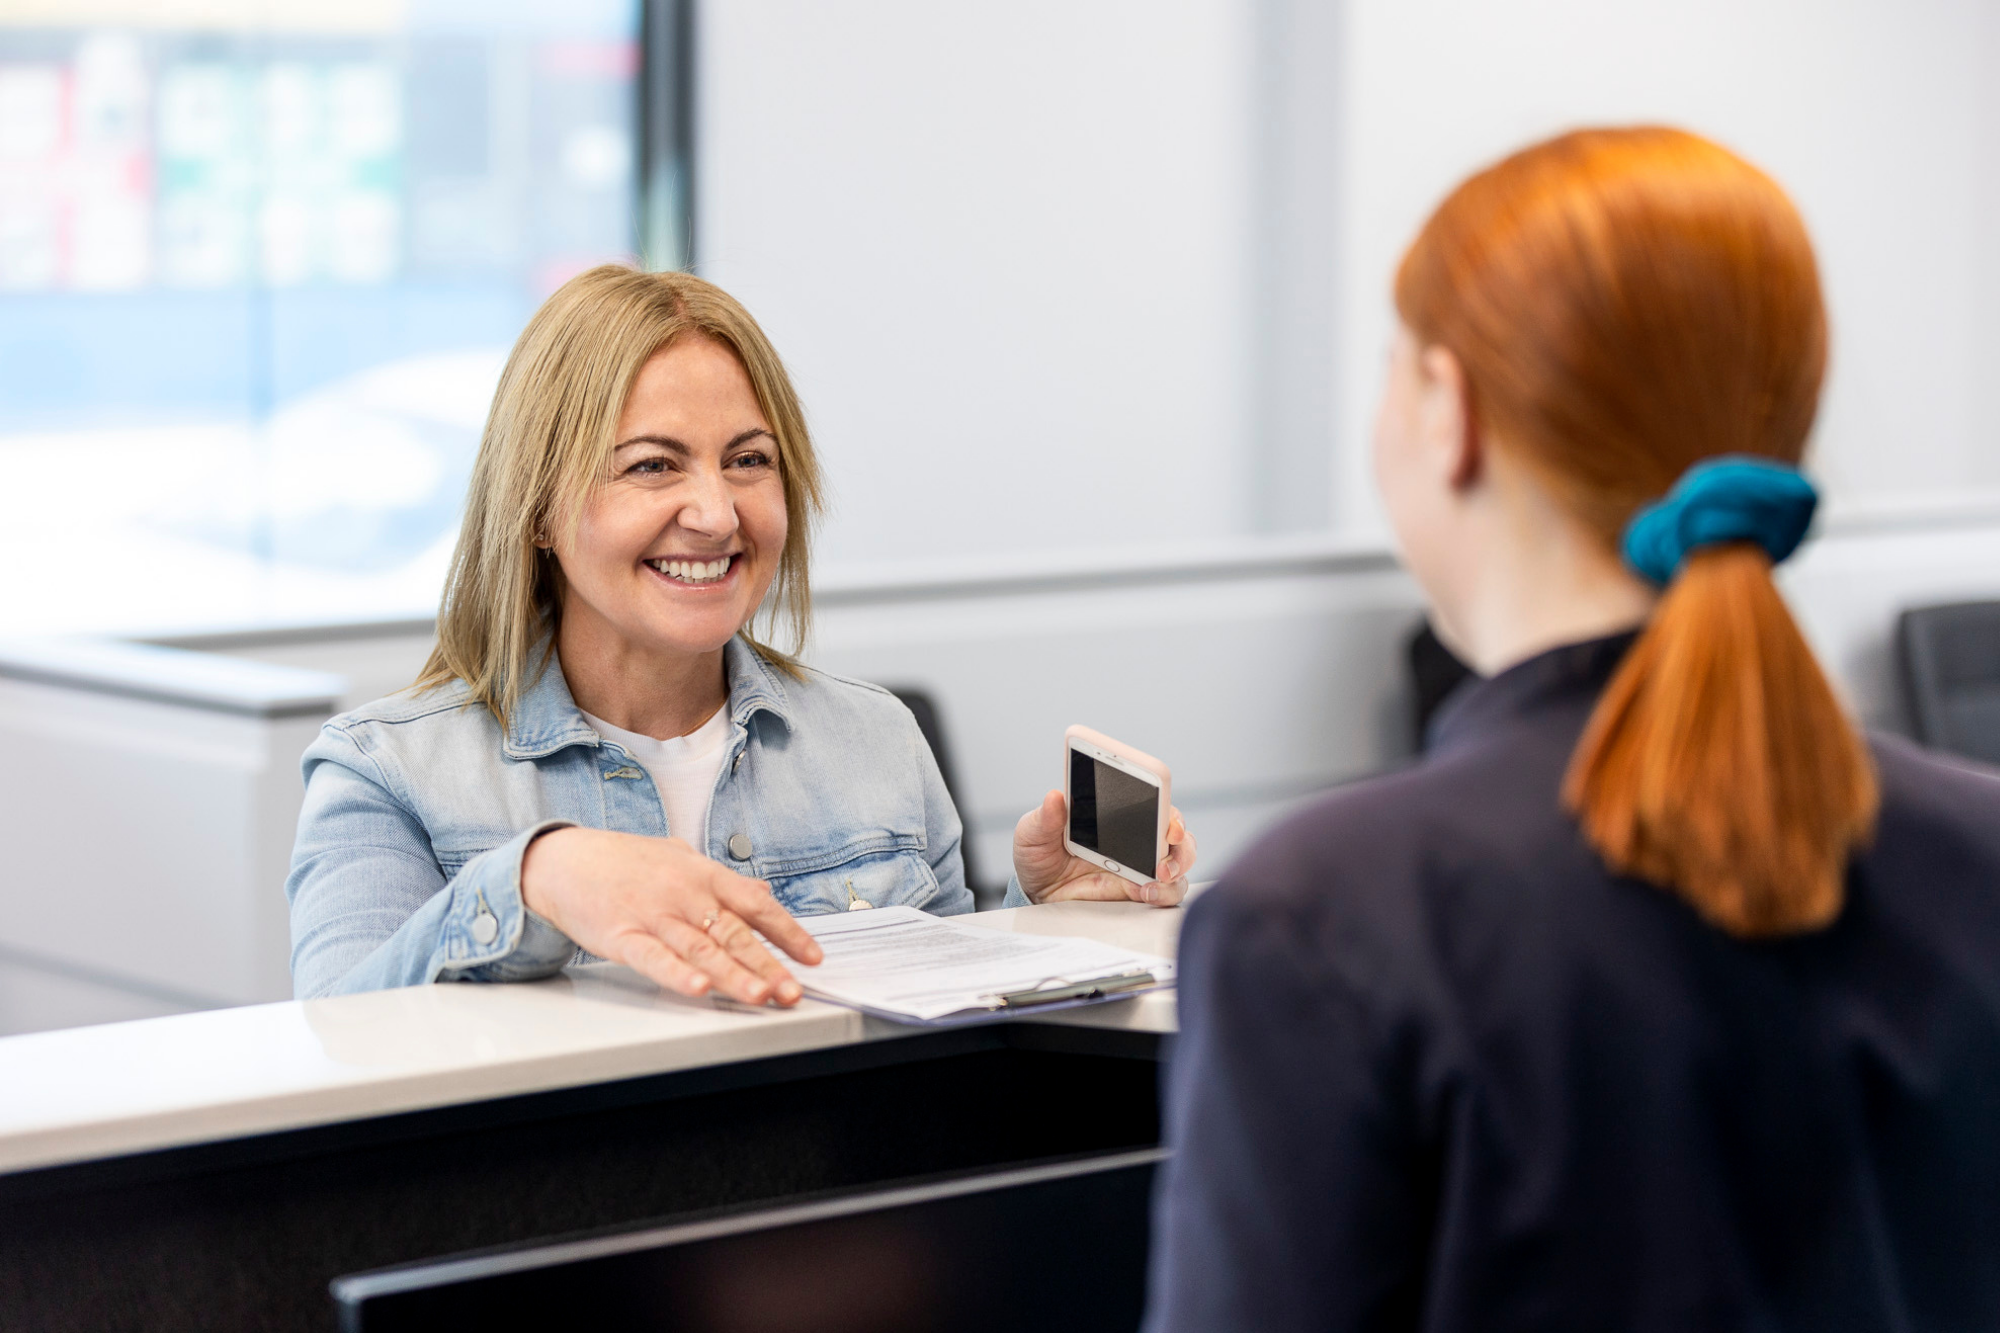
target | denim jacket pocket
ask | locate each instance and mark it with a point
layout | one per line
(468, 844)
(877, 876)
(454, 861)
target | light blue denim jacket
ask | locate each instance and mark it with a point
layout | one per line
(419, 808)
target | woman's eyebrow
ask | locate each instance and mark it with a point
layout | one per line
(664, 441)
(669, 442)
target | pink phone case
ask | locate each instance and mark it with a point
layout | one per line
(1140, 764)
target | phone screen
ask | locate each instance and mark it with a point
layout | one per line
(1113, 813)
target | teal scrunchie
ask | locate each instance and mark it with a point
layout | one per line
(1731, 498)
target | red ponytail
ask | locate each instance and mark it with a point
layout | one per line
(1625, 303)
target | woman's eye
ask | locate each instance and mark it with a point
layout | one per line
(647, 467)
(751, 460)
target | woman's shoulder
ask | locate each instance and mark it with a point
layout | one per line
(825, 699)
(1368, 839)
(1937, 804)
(1331, 894)
(410, 725)
(417, 704)
(1343, 870)
(417, 743)
(1371, 875)
(1910, 770)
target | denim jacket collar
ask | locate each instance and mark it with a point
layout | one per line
(754, 684)
(547, 718)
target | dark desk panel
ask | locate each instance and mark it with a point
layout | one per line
(247, 1233)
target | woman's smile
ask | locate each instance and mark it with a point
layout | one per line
(703, 573)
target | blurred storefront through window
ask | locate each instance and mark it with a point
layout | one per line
(260, 262)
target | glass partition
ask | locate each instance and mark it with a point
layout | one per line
(260, 262)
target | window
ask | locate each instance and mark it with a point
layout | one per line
(257, 282)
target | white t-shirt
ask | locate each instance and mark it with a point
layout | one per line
(684, 769)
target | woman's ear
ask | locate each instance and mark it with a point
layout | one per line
(1450, 426)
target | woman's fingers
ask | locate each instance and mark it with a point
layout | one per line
(1040, 859)
(650, 958)
(1042, 827)
(751, 899)
(663, 909)
(732, 934)
(1096, 886)
(703, 951)
(1180, 851)
(1051, 815)
(727, 957)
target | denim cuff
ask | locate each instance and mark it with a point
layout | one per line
(1016, 896)
(489, 934)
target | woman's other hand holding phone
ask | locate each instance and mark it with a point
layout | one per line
(1049, 873)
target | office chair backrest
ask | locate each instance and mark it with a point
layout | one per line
(1950, 663)
(1050, 1248)
(921, 705)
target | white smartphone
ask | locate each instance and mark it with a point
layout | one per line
(1119, 802)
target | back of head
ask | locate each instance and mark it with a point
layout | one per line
(1625, 304)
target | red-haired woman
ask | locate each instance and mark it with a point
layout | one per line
(1655, 997)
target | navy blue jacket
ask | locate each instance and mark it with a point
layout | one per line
(1438, 1069)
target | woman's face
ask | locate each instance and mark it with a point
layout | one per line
(675, 552)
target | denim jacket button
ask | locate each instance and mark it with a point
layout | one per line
(739, 846)
(485, 929)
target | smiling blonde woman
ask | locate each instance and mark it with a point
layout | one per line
(602, 757)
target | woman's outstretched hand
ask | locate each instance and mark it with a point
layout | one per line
(1048, 873)
(664, 910)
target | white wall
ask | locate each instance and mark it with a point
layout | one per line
(1847, 588)
(147, 841)
(1004, 249)
(1139, 253)
(1880, 118)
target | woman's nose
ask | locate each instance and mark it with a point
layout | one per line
(709, 509)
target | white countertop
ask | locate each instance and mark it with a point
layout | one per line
(104, 1091)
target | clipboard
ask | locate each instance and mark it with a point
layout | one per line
(907, 966)
(1018, 1004)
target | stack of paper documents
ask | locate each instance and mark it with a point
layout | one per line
(905, 964)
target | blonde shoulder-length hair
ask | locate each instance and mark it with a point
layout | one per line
(547, 447)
